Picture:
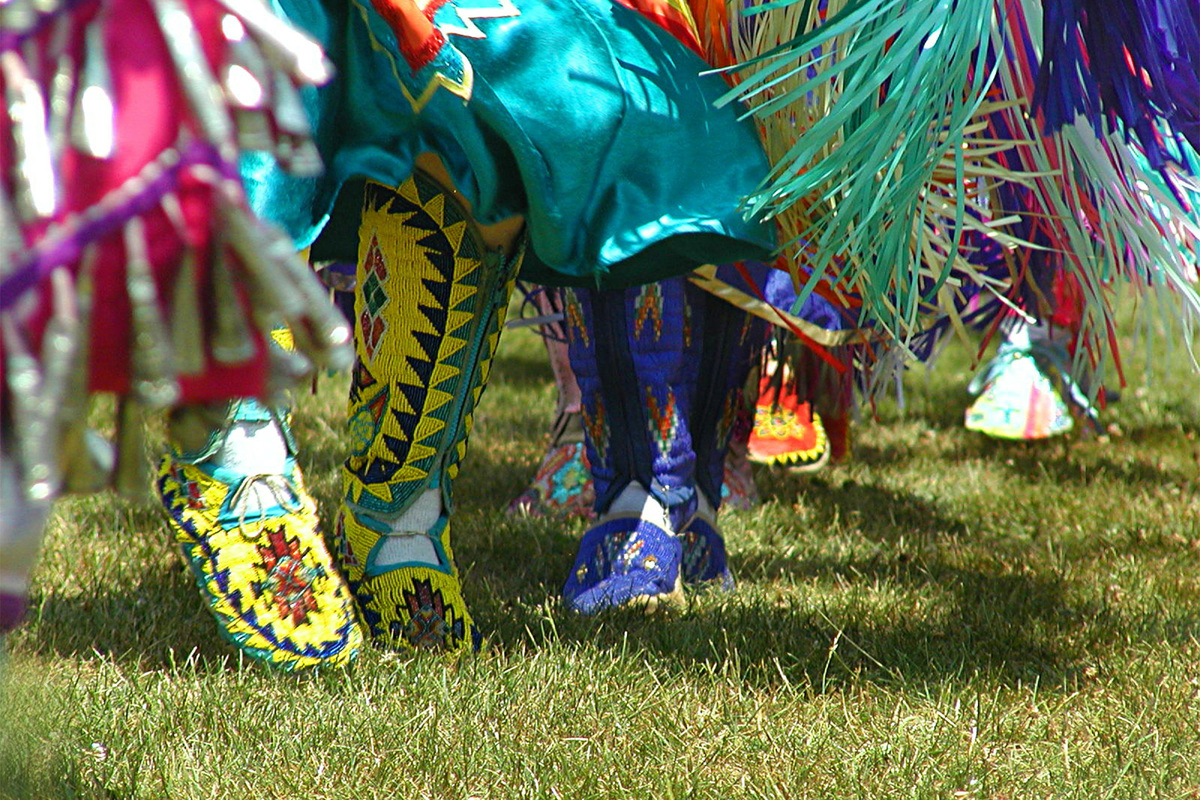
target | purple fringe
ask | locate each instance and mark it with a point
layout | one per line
(1089, 49)
(13, 39)
(38, 262)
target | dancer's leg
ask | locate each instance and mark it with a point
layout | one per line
(656, 366)
(432, 294)
(635, 356)
(739, 489)
(732, 341)
(562, 485)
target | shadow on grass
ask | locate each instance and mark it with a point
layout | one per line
(154, 623)
(518, 564)
(1010, 629)
(1068, 470)
(1014, 628)
(878, 513)
(1061, 461)
(157, 619)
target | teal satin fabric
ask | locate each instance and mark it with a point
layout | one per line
(583, 116)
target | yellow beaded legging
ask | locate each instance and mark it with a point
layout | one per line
(429, 308)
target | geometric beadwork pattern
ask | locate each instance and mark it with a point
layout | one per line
(789, 434)
(263, 571)
(662, 419)
(430, 621)
(595, 423)
(576, 328)
(648, 308)
(371, 319)
(428, 314)
(661, 382)
(562, 486)
(408, 607)
(733, 402)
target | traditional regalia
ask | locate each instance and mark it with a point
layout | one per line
(562, 484)
(934, 166)
(916, 193)
(660, 369)
(934, 163)
(129, 259)
(458, 153)
(1008, 165)
(924, 175)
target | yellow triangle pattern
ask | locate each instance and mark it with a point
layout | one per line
(400, 355)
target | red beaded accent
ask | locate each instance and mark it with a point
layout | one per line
(409, 26)
(425, 53)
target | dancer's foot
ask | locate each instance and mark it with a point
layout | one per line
(1018, 395)
(404, 579)
(631, 557)
(738, 489)
(248, 530)
(562, 486)
(789, 434)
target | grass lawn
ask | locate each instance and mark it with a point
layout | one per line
(944, 616)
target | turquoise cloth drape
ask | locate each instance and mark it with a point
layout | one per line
(583, 116)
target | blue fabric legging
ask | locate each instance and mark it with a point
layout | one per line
(660, 368)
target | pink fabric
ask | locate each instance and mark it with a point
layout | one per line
(570, 401)
(151, 116)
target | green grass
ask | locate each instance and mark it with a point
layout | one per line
(944, 616)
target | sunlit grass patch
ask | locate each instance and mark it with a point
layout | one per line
(943, 616)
